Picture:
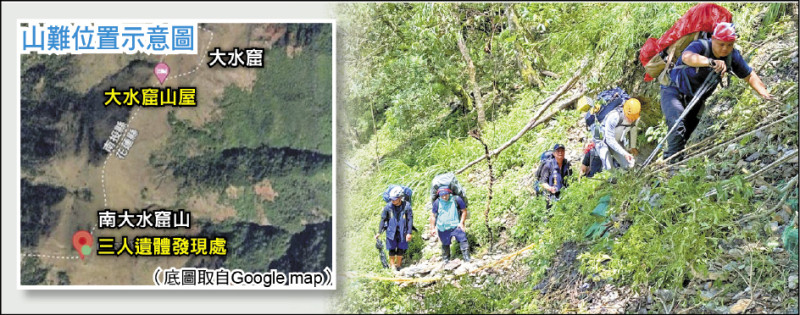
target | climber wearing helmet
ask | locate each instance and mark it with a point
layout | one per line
(397, 221)
(619, 126)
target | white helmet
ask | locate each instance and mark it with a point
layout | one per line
(396, 192)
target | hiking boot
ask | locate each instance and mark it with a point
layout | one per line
(446, 253)
(465, 251)
(399, 262)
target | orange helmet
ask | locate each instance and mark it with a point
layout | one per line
(631, 109)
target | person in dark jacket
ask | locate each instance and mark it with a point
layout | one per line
(554, 175)
(697, 61)
(591, 163)
(397, 220)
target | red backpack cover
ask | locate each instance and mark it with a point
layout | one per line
(702, 17)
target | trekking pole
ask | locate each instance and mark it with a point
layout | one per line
(711, 79)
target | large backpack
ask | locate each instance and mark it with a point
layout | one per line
(543, 159)
(449, 180)
(407, 192)
(658, 55)
(607, 101)
(661, 64)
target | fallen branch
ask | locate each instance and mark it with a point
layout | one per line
(780, 53)
(767, 40)
(706, 152)
(351, 166)
(785, 158)
(535, 120)
(780, 203)
(550, 74)
(789, 90)
(761, 181)
(560, 107)
(779, 161)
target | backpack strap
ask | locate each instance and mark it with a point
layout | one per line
(405, 213)
(707, 52)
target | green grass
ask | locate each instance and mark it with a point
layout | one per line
(444, 298)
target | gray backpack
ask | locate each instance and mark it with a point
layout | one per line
(447, 179)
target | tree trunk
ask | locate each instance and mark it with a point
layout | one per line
(470, 70)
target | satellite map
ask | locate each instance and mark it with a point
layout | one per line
(134, 165)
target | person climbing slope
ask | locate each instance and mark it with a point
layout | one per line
(697, 61)
(554, 174)
(448, 219)
(591, 163)
(619, 126)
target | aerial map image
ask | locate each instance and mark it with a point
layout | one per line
(176, 154)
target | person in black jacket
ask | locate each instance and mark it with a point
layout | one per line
(697, 61)
(554, 174)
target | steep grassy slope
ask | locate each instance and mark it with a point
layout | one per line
(670, 241)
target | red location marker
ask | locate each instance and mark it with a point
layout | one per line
(82, 241)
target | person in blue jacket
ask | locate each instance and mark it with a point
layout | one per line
(448, 219)
(591, 163)
(554, 174)
(397, 220)
(699, 59)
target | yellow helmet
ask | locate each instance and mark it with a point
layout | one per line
(631, 108)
